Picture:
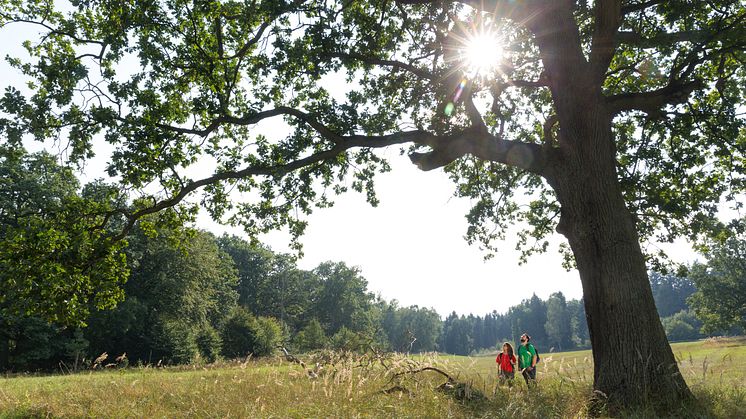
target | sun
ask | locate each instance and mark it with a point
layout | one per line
(482, 53)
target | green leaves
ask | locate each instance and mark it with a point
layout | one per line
(720, 299)
(185, 92)
(55, 260)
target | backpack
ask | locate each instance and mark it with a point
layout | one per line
(538, 358)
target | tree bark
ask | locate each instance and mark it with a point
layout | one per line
(634, 365)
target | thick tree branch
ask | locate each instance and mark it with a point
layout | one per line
(252, 119)
(52, 31)
(419, 137)
(475, 117)
(608, 16)
(521, 11)
(652, 102)
(475, 141)
(542, 82)
(253, 41)
(498, 88)
(486, 5)
(567, 71)
(479, 143)
(549, 124)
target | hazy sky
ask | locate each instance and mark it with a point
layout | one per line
(411, 247)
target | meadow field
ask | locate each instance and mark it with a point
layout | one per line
(346, 385)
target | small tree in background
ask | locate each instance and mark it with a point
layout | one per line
(208, 343)
(720, 299)
(558, 326)
(239, 334)
(174, 341)
(270, 334)
(347, 340)
(311, 337)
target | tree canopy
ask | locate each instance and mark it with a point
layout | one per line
(171, 83)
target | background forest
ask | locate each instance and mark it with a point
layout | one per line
(195, 297)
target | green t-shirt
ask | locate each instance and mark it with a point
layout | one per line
(525, 355)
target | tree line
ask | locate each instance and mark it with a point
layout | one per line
(193, 297)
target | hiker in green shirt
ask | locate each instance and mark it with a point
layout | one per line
(527, 360)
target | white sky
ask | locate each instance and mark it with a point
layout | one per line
(411, 247)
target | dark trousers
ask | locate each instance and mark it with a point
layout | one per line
(506, 377)
(530, 376)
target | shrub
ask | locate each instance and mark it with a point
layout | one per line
(239, 334)
(681, 326)
(347, 340)
(176, 342)
(311, 337)
(268, 337)
(244, 334)
(208, 342)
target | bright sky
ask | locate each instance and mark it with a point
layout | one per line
(411, 247)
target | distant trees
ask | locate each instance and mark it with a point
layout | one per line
(670, 292)
(179, 295)
(269, 284)
(341, 298)
(578, 323)
(193, 296)
(458, 334)
(555, 323)
(411, 329)
(558, 327)
(53, 261)
(53, 265)
(720, 299)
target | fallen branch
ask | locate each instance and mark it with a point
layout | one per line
(445, 374)
(458, 390)
(292, 358)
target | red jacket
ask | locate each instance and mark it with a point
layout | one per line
(505, 362)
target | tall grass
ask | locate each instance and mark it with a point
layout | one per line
(346, 385)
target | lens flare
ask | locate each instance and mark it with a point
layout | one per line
(482, 53)
(475, 55)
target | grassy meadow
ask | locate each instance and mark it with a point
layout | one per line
(340, 385)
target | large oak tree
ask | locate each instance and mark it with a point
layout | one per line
(614, 122)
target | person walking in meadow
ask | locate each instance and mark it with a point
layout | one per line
(527, 359)
(506, 364)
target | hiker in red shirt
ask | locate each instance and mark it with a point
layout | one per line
(506, 363)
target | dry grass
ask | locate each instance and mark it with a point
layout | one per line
(351, 386)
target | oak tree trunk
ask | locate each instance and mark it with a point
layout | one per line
(634, 366)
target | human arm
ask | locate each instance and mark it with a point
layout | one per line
(534, 358)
